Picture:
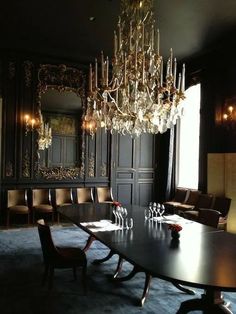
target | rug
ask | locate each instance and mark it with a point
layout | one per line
(21, 269)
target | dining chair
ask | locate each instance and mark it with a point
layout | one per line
(84, 195)
(190, 202)
(180, 197)
(222, 204)
(17, 204)
(104, 195)
(209, 217)
(55, 257)
(41, 203)
(63, 197)
(204, 201)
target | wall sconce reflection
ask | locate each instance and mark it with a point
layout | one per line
(229, 117)
(30, 123)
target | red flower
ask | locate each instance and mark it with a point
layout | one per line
(175, 227)
(116, 203)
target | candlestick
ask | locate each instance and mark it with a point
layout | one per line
(107, 71)
(102, 67)
(175, 71)
(96, 74)
(183, 79)
(158, 42)
(90, 77)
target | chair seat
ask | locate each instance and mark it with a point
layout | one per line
(191, 214)
(184, 207)
(19, 209)
(70, 257)
(43, 208)
(64, 204)
(172, 203)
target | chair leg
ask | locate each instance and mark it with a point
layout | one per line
(33, 217)
(28, 218)
(58, 218)
(84, 277)
(8, 219)
(52, 217)
(50, 279)
(45, 274)
(74, 273)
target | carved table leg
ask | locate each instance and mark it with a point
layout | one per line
(102, 260)
(184, 289)
(146, 288)
(133, 272)
(89, 243)
(118, 268)
(206, 304)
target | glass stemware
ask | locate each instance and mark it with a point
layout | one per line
(162, 210)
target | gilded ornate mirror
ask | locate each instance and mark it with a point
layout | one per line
(60, 142)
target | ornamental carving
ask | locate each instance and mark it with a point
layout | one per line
(26, 165)
(9, 169)
(60, 173)
(28, 66)
(11, 70)
(103, 169)
(91, 166)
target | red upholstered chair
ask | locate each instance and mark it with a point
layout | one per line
(59, 257)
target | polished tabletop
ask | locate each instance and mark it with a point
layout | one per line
(203, 257)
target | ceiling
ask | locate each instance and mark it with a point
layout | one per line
(63, 28)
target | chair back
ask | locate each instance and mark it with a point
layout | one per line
(208, 217)
(41, 196)
(104, 195)
(63, 196)
(222, 204)
(180, 195)
(204, 201)
(193, 197)
(16, 197)
(48, 248)
(84, 195)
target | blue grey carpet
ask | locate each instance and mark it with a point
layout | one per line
(21, 268)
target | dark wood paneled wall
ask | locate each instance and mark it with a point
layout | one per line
(122, 162)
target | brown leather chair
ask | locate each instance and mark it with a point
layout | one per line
(59, 257)
(209, 217)
(204, 201)
(41, 202)
(84, 195)
(63, 197)
(222, 204)
(104, 195)
(180, 197)
(191, 201)
(17, 203)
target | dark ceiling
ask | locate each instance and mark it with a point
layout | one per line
(63, 28)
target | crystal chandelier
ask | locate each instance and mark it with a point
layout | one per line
(45, 134)
(139, 95)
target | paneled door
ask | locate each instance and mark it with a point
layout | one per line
(133, 168)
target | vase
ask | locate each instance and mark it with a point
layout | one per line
(175, 234)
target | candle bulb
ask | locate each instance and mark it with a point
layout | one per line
(107, 71)
(119, 34)
(143, 74)
(143, 36)
(161, 73)
(179, 82)
(90, 77)
(32, 123)
(125, 69)
(175, 71)
(183, 79)
(158, 42)
(96, 74)
(130, 36)
(171, 61)
(102, 67)
(115, 44)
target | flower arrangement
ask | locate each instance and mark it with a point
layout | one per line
(116, 203)
(175, 227)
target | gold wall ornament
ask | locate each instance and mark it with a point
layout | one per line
(26, 165)
(91, 166)
(28, 67)
(60, 173)
(9, 169)
(103, 170)
(61, 78)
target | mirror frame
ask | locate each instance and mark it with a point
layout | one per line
(61, 78)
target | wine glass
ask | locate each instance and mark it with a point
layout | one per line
(129, 223)
(151, 209)
(162, 210)
(147, 214)
(115, 214)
